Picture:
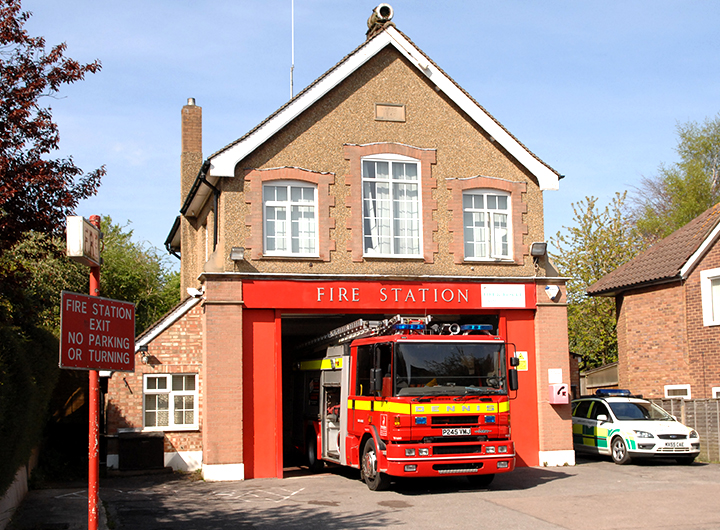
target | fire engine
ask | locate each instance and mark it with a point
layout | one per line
(404, 397)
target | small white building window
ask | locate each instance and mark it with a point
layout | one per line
(710, 289)
(716, 392)
(290, 218)
(677, 391)
(392, 223)
(170, 402)
(487, 225)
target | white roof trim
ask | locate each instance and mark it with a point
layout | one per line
(223, 164)
(168, 321)
(700, 252)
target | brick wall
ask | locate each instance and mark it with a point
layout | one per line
(178, 349)
(652, 337)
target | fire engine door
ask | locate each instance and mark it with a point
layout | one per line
(333, 415)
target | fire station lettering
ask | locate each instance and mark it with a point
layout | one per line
(395, 294)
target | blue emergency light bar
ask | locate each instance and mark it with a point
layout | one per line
(476, 327)
(409, 327)
(613, 392)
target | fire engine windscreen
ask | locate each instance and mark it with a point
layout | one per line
(449, 368)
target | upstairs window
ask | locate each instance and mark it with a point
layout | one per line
(391, 207)
(710, 293)
(487, 225)
(290, 218)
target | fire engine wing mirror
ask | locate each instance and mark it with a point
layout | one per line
(376, 378)
(512, 379)
(514, 361)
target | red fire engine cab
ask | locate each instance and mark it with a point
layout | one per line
(405, 398)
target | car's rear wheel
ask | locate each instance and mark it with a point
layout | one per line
(619, 451)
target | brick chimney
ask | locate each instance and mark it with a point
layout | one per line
(191, 157)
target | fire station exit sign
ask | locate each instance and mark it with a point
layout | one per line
(96, 333)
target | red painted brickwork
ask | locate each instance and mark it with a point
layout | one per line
(427, 157)
(703, 347)
(223, 370)
(254, 198)
(652, 339)
(551, 338)
(519, 208)
(176, 350)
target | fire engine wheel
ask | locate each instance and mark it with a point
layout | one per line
(619, 451)
(315, 465)
(480, 481)
(374, 479)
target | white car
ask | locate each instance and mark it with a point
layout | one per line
(625, 427)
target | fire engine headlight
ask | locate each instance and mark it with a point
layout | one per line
(502, 449)
(409, 452)
(693, 434)
(643, 434)
(410, 468)
(502, 465)
(424, 451)
(490, 449)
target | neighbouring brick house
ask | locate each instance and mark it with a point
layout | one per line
(382, 188)
(668, 313)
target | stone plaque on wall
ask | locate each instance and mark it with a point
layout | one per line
(389, 112)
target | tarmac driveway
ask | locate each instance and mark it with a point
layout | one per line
(592, 494)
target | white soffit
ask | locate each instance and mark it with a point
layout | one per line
(223, 164)
(700, 252)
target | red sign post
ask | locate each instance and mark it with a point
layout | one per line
(96, 334)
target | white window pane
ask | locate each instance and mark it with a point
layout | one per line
(500, 235)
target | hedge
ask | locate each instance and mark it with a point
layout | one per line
(28, 374)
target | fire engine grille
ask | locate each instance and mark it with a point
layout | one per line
(446, 469)
(457, 449)
(672, 436)
(454, 420)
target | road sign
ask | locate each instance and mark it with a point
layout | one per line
(83, 241)
(96, 333)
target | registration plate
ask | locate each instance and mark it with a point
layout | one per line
(674, 444)
(456, 432)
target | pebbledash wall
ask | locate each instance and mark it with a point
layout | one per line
(226, 339)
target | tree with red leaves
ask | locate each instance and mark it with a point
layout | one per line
(37, 192)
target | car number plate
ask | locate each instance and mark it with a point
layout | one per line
(456, 432)
(674, 444)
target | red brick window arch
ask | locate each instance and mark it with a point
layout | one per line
(289, 213)
(487, 220)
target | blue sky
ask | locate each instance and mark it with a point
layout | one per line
(594, 88)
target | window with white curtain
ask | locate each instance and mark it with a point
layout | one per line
(392, 224)
(487, 225)
(290, 219)
(710, 292)
(170, 402)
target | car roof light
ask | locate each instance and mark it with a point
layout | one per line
(609, 392)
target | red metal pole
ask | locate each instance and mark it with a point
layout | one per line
(94, 415)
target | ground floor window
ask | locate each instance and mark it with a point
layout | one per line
(170, 402)
(677, 391)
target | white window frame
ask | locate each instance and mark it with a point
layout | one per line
(686, 395)
(288, 206)
(710, 296)
(715, 393)
(168, 390)
(489, 215)
(393, 235)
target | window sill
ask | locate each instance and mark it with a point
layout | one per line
(191, 428)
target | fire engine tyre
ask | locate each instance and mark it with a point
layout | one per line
(480, 481)
(374, 479)
(619, 451)
(315, 465)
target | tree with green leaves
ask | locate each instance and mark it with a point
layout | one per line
(681, 191)
(598, 242)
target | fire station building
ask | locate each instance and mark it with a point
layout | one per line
(383, 188)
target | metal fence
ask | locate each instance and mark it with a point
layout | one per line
(703, 415)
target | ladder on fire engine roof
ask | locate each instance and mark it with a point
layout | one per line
(358, 329)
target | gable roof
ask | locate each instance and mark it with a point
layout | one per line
(223, 162)
(670, 259)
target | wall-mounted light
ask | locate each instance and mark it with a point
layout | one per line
(538, 250)
(144, 356)
(237, 253)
